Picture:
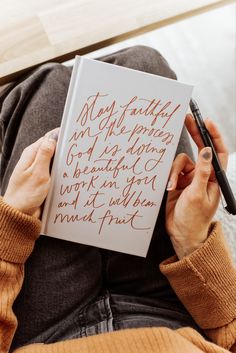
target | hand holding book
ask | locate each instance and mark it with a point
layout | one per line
(194, 193)
(29, 183)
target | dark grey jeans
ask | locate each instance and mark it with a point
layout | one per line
(72, 290)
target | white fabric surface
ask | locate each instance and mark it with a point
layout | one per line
(229, 221)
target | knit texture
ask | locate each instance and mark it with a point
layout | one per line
(203, 268)
(18, 233)
(205, 282)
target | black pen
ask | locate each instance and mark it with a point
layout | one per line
(219, 172)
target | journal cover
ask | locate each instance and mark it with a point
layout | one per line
(118, 137)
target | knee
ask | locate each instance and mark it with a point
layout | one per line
(57, 76)
(150, 60)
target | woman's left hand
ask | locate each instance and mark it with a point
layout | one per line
(194, 194)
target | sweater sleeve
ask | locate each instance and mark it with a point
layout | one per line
(18, 233)
(205, 282)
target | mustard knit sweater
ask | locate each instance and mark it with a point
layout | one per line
(204, 281)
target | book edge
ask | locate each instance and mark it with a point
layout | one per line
(67, 107)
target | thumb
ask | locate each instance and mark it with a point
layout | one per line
(202, 170)
(45, 153)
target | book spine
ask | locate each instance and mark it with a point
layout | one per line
(60, 142)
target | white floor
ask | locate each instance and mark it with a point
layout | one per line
(201, 50)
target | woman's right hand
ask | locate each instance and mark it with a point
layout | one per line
(194, 193)
(30, 180)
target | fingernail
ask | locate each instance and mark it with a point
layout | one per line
(169, 185)
(207, 153)
(53, 136)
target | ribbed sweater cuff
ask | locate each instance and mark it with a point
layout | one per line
(18, 233)
(205, 281)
